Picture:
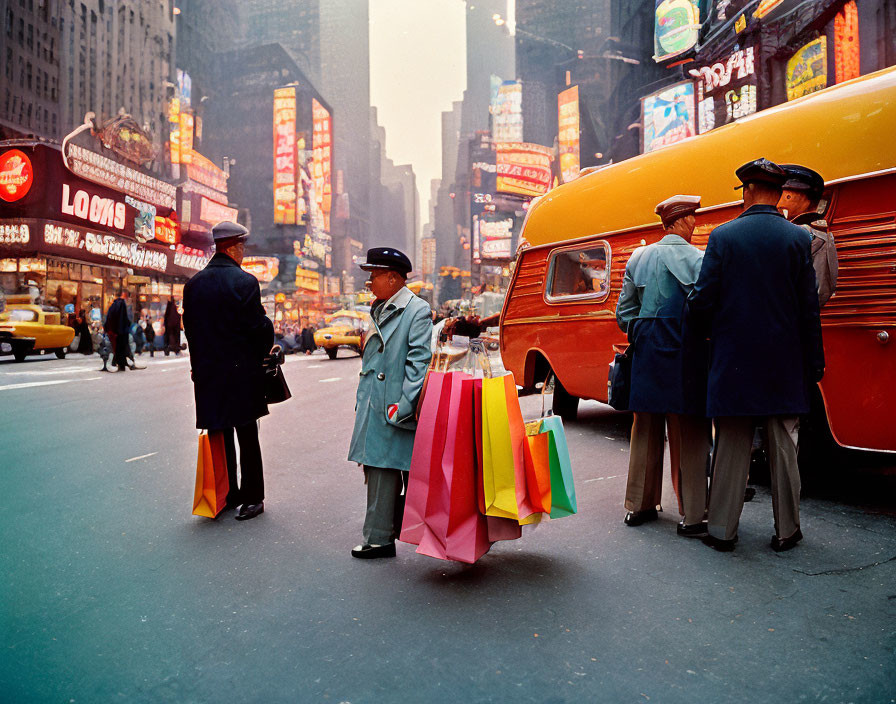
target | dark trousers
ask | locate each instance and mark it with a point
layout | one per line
(121, 345)
(251, 489)
(385, 504)
(172, 342)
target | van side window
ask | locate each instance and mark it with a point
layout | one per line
(583, 272)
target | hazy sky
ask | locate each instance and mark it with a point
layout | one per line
(417, 68)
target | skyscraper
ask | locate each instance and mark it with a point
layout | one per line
(294, 24)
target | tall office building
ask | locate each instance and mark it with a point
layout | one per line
(490, 51)
(294, 24)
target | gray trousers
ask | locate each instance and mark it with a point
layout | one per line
(385, 504)
(689, 456)
(731, 466)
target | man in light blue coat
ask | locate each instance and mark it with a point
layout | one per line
(668, 367)
(393, 365)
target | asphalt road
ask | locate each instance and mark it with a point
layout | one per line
(112, 591)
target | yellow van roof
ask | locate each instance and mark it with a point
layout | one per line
(842, 131)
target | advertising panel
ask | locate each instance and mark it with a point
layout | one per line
(846, 43)
(167, 230)
(676, 27)
(482, 188)
(107, 172)
(507, 113)
(186, 138)
(213, 212)
(184, 88)
(307, 279)
(206, 172)
(496, 236)
(16, 175)
(285, 156)
(668, 116)
(568, 133)
(322, 159)
(174, 131)
(807, 69)
(523, 169)
(265, 269)
(726, 89)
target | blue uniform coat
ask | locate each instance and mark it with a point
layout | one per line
(668, 361)
(229, 336)
(393, 365)
(756, 294)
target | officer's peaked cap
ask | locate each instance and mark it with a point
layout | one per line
(761, 171)
(802, 178)
(387, 258)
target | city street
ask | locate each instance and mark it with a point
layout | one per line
(112, 591)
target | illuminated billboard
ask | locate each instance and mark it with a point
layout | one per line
(726, 89)
(807, 69)
(507, 112)
(322, 159)
(523, 169)
(285, 156)
(265, 269)
(568, 133)
(186, 138)
(668, 116)
(676, 27)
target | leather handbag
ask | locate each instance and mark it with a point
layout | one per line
(276, 389)
(619, 381)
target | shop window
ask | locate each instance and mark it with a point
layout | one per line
(579, 273)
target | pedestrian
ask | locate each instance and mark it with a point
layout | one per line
(172, 327)
(150, 334)
(393, 364)
(802, 193)
(229, 336)
(307, 335)
(667, 365)
(118, 328)
(756, 293)
(85, 343)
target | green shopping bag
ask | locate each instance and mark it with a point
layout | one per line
(563, 491)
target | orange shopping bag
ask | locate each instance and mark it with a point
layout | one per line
(212, 484)
(538, 466)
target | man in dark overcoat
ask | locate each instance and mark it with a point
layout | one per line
(118, 328)
(229, 336)
(172, 327)
(667, 366)
(756, 293)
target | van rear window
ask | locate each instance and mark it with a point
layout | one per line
(579, 273)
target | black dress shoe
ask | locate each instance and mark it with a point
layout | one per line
(695, 530)
(719, 544)
(749, 493)
(636, 518)
(248, 511)
(371, 552)
(784, 544)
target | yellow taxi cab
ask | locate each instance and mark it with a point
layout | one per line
(26, 329)
(344, 328)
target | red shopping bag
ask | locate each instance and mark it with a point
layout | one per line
(454, 528)
(498, 528)
(212, 484)
(429, 443)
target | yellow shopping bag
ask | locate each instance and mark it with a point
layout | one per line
(503, 452)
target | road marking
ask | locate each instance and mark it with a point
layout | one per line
(315, 366)
(31, 384)
(70, 370)
(141, 457)
(597, 479)
(332, 378)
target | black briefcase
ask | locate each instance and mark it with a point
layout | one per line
(276, 389)
(619, 381)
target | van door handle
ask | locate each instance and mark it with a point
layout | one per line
(883, 337)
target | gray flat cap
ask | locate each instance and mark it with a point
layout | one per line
(229, 231)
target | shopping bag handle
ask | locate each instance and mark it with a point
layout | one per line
(477, 350)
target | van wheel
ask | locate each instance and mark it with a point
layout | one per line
(332, 352)
(61, 352)
(564, 404)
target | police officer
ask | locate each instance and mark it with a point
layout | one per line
(665, 389)
(229, 336)
(393, 365)
(799, 204)
(756, 293)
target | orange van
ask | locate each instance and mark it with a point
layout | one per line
(559, 314)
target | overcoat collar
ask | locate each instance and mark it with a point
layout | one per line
(221, 259)
(672, 238)
(760, 209)
(390, 309)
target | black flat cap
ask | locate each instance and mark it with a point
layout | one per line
(761, 171)
(386, 258)
(229, 231)
(802, 178)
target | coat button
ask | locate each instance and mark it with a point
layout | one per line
(381, 376)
